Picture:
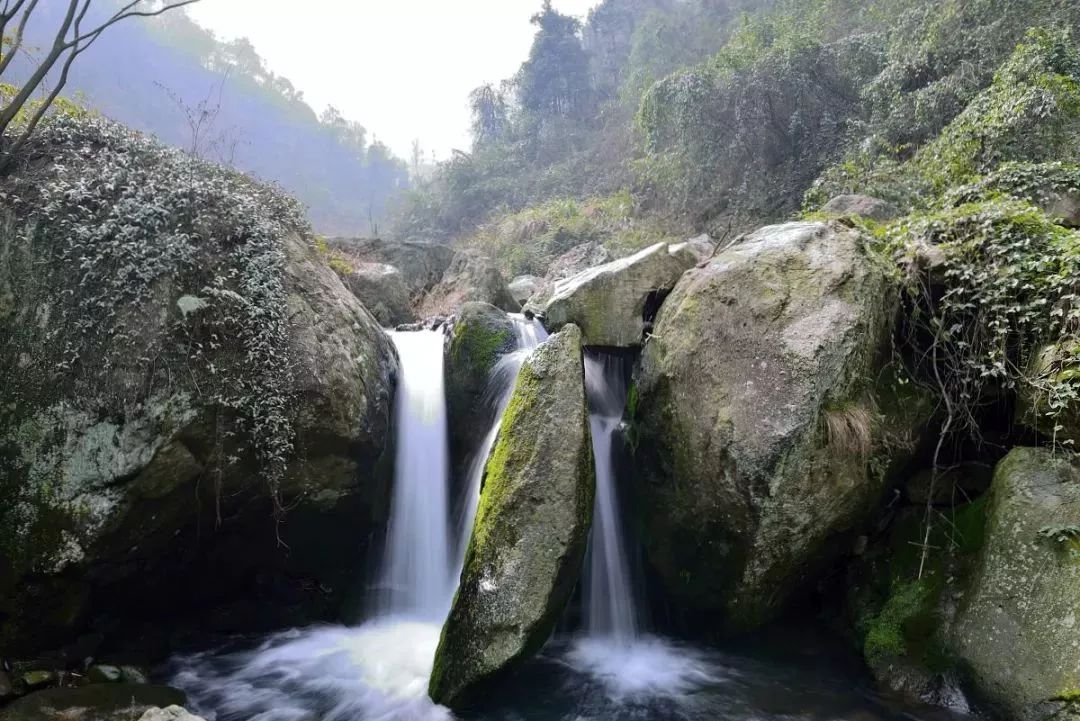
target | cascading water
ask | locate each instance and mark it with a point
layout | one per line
(415, 578)
(609, 583)
(500, 386)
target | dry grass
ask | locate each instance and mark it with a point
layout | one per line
(850, 430)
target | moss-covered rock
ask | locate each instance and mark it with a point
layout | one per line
(1016, 632)
(531, 528)
(179, 366)
(1048, 404)
(615, 303)
(480, 334)
(766, 426)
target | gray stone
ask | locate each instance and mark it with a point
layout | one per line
(523, 286)
(861, 205)
(382, 290)
(422, 265)
(471, 277)
(758, 420)
(614, 303)
(1016, 632)
(169, 713)
(528, 542)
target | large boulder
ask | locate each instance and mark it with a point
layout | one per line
(575, 260)
(531, 528)
(382, 290)
(1016, 632)
(179, 367)
(422, 265)
(766, 426)
(471, 277)
(614, 303)
(479, 335)
(861, 206)
(523, 286)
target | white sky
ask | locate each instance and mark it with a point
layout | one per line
(402, 68)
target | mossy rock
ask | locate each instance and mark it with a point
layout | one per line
(532, 524)
(479, 336)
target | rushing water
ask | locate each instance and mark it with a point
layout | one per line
(610, 607)
(415, 578)
(379, 671)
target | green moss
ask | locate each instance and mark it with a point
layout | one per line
(904, 615)
(477, 345)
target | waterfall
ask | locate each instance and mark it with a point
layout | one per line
(611, 610)
(500, 386)
(416, 573)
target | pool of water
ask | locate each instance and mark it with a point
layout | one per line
(379, 670)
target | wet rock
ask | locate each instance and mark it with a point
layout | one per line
(101, 673)
(471, 277)
(614, 303)
(7, 688)
(96, 702)
(382, 290)
(764, 445)
(1016, 631)
(480, 335)
(861, 205)
(38, 679)
(528, 542)
(170, 713)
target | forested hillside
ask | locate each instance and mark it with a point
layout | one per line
(657, 116)
(172, 78)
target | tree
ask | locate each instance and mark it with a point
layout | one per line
(554, 81)
(489, 114)
(74, 35)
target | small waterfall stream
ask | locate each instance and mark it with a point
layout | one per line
(610, 595)
(415, 578)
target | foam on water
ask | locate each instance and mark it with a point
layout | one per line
(645, 668)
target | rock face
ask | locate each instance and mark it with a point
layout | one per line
(575, 260)
(144, 450)
(382, 290)
(861, 205)
(470, 278)
(523, 286)
(614, 303)
(1016, 630)
(528, 542)
(481, 333)
(422, 265)
(758, 419)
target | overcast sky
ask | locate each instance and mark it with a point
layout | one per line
(403, 68)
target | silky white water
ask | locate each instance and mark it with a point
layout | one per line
(528, 334)
(610, 607)
(415, 578)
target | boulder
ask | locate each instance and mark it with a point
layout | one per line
(766, 422)
(575, 260)
(169, 713)
(422, 265)
(480, 334)
(702, 246)
(1016, 631)
(614, 303)
(382, 290)
(862, 206)
(532, 525)
(470, 278)
(168, 387)
(523, 286)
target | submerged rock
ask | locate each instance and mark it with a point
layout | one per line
(615, 303)
(531, 528)
(1016, 632)
(480, 335)
(471, 277)
(168, 382)
(382, 290)
(761, 407)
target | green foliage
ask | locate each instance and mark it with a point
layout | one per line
(527, 241)
(1010, 276)
(887, 632)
